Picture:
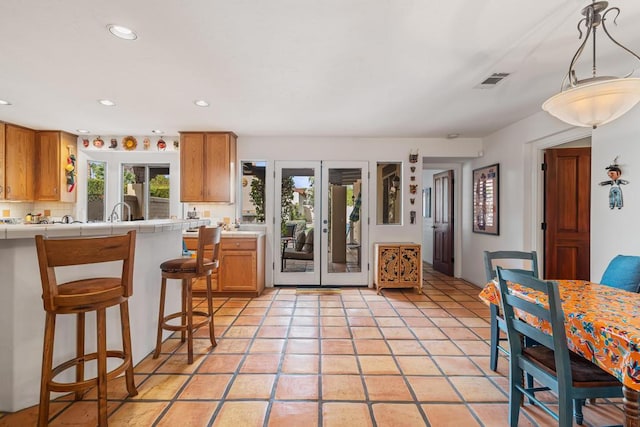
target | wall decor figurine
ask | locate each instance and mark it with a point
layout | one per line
(413, 156)
(615, 192)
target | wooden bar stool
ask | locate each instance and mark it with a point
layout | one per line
(79, 297)
(187, 269)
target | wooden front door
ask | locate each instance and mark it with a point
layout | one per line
(443, 222)
(567, 213)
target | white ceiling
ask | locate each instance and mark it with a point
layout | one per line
(370, 68)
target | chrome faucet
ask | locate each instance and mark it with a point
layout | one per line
(114, 214)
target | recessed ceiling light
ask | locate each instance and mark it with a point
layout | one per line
(82, 131)
(3, 102)
(106, 102)
(122, 32)
(453, 135)
(157, 131)
(201, 103)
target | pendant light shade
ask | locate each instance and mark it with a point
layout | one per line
(594, 101)
(595, 104)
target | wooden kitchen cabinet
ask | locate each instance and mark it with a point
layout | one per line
(398, 265)
(53, 148)
(207, 161)
(241, 267)
(19, 150)
(2, 144)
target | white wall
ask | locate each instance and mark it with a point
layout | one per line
(517, 148)
(373, 150)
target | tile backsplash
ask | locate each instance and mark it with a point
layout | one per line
(21, 209)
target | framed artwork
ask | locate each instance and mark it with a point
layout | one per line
(486, 213)
(426, 202)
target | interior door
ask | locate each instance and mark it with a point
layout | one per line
(443, 222)
(322, 223)
(567, 213)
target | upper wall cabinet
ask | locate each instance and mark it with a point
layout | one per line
(56, 154)
(207, 166)
(2, 143)
(19, 150)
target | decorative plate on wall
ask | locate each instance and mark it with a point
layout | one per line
(129, 143)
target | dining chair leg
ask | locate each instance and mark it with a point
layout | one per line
(80, 328)
(495, 332)
(212, 335)
(127, 348)
(577, 410)
(47, 365)
(515, 395)
(163, 291)
(101, 320)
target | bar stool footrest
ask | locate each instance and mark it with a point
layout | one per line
(184, 327)
(91, 382)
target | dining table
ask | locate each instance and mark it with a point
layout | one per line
(602, 325)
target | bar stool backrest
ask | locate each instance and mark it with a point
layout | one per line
(208, 239)
(54, 253)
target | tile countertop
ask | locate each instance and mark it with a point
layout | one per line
(22, 231)
(233, 234)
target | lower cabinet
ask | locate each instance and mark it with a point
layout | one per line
(398, 265)
(241, 268)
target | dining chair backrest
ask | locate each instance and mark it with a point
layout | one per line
(524, 262)
(556, 339)
(623, 272)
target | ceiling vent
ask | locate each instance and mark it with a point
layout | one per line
(491, 81)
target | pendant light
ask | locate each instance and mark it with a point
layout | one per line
(596, 100)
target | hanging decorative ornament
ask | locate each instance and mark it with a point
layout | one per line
(114, 143)
(85, 142)
(146, 143)
(98, 142)
(129, 143)
(161, 145)
(70, 172)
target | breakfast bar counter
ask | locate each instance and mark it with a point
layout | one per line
(21, 311)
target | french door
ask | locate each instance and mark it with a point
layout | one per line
(321, 222)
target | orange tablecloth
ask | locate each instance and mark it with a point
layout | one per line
(602, 324)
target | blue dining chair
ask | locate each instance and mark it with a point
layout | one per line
(509, 259)
(623, 272)
(571, 377)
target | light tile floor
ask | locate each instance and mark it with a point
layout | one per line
(350, 359)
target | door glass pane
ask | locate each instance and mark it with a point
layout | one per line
(344, 220)
(389, 200)
(145, 192)
(253, 180)
(95, 191)
(296, 210)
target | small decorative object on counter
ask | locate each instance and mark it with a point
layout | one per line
(114, 143)
(161, 145)
(146, 143)
(98, 142)
(615, 192)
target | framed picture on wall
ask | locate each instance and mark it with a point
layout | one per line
(486, 213)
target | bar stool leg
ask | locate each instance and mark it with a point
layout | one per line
(126, 348)
(212, 335)
(189, 301)
(185, 300)
(163, 291)
(47, 366)
(102, 366)
(80, 328)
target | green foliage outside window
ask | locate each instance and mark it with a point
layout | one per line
(159, 187)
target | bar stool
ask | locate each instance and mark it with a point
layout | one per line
(187, 269)
(79, 297)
